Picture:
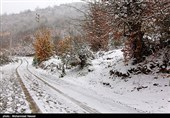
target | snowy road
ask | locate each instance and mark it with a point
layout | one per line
(54, 95)
(12, 95)
(46, 97)
(26, 89)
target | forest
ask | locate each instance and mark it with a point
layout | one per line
(95, 56)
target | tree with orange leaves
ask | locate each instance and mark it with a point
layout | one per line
(43, 45)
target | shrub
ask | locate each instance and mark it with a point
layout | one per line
(4, 59)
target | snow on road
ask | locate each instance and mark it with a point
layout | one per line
(86, 95)
(48, 99)
(106, 94)
(83, 91)
(12, 98)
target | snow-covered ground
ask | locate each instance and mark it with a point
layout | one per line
(93, 89)
(12, 98)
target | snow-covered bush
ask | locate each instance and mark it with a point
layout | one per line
(80, 52)
(74, 51)
(4, 59)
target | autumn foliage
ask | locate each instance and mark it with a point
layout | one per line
(43, 45)
(97, 27)
(63, 46)
(132, 20)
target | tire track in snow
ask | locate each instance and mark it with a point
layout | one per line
(107, 100)
(33, 106)
(83, 106)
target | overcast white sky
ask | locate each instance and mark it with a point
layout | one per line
(16, 6)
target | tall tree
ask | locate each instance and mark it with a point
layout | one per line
(43, 45)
